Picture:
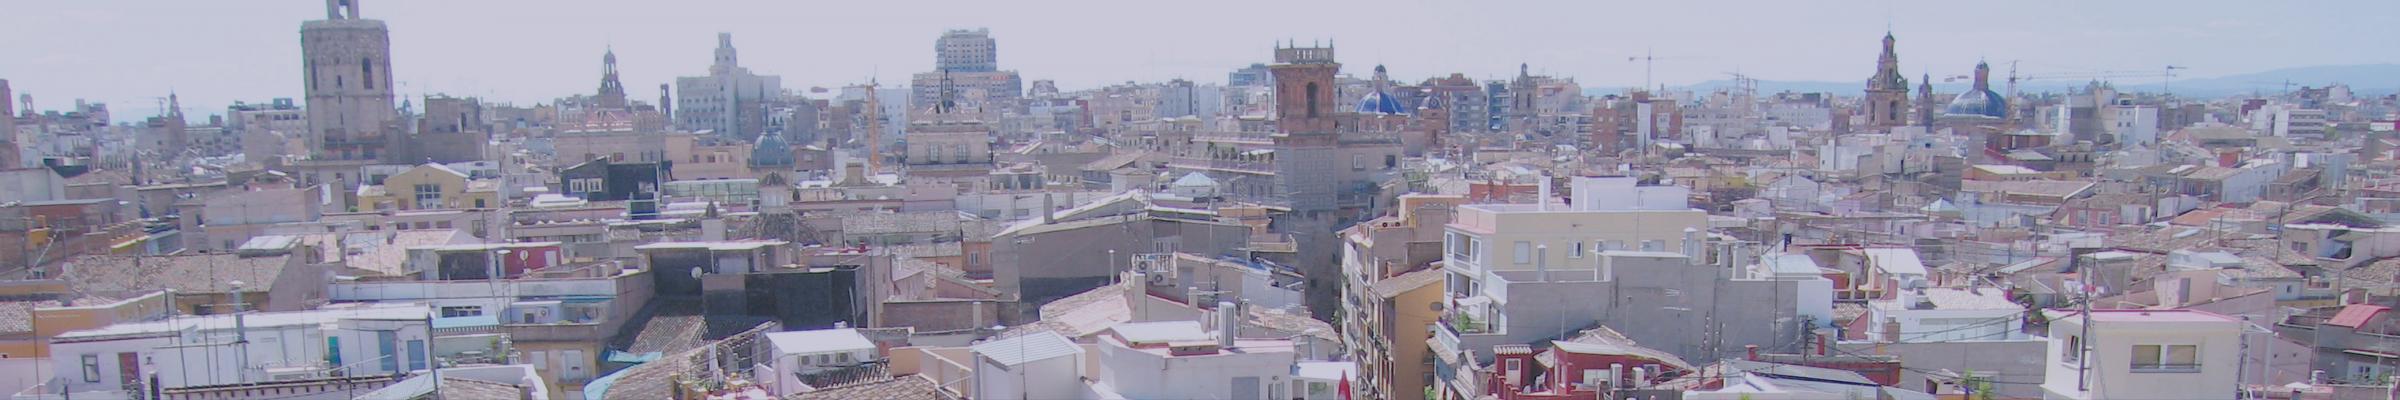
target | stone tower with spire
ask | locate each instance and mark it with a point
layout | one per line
(1887, 91)
(1925, 102)
(612, 92)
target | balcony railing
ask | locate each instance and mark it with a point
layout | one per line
(2165, 368)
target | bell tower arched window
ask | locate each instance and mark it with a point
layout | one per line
(1312, 99)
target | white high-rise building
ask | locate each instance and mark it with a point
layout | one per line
(347, 64)
(730, 100)
(2135, 124)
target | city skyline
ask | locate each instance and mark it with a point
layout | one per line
(245, 51)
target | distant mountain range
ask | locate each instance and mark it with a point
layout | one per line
(2369, 79)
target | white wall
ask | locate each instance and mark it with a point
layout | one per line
(1142, 375)
(17, 374)
(1055, 378)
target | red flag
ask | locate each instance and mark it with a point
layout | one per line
(1344, 387)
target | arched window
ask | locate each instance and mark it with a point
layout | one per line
(1312, 99)
(367, 68)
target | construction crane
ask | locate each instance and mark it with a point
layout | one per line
(1747, 88)
(1648, 59)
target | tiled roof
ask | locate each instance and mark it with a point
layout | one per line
(16, 317)
(675, 324)
(122, 276)
(915, 222)
(912, 387)
(2356, 315)
(462, 388)
(1395, 286)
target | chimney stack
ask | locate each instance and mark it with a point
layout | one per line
(1049, 207)
(1541, 262)
(1228, 323)
(1691, 245)
(1543, 199)
(1752, 350)
(1891, 330)
(1616, 374)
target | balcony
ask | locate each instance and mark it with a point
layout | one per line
(563, 331)
(2149, 368)
(1234, 166)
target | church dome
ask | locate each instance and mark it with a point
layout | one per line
(771, 151)
(1380, 101)
(1979, 102)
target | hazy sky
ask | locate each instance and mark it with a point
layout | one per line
(214, 52)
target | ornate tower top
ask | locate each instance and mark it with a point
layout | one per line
(342, 9)
(949, 96)
(1887, 69)
(612, 92)
(726, 58)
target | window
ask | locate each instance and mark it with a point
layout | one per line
(366, 67)
(91, 368)
(1523, 253)
(461, 311)
(2166, 358)
(479, 203)
(1453, 246)
(1312, 99)
(428, 195)
(1578, 253)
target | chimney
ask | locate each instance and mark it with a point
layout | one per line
(1228, 323)
(1542, 202)
(1136, 287)
(1049, 207)
(1541, 262)
(1752, 350)
(1616, 373)
(1691, 245)
(1639, 379)
(1891, 330)
(1742, 256)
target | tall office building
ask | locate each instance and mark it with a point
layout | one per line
(961, 50)
(969, 62)
(730, 101)
(348, 66)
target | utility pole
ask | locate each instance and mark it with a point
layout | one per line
(2083, 345)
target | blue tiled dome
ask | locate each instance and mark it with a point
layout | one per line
(1979, 102)
(1378, 102)
(770, 150)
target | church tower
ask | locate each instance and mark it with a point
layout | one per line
(347, 65)
(612, 92)
(1925, 102)
(1886, 91)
